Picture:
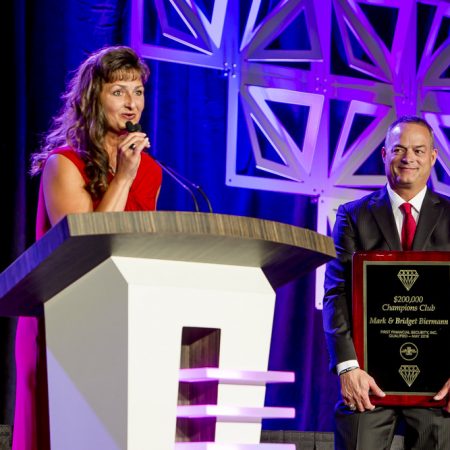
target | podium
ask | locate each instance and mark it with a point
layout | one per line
(158, 325)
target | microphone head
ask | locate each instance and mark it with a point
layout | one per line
(131, 127)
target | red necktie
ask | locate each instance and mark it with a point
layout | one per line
(408, 227)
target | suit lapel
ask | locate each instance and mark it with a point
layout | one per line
(430, 213)
(382, 211)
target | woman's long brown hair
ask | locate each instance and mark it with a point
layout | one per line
(81, 123)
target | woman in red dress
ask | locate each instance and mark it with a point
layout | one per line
(88, 162)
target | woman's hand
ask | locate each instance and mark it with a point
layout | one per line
(129, 155)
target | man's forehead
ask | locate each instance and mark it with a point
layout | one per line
(410, 132)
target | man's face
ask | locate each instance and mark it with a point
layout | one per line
(408, 157)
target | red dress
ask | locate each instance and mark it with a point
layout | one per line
(31, 430)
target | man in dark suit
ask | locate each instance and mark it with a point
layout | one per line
(375, 222)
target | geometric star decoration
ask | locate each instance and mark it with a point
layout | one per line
(316, 84)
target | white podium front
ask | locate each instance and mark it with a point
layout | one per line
(158, 325)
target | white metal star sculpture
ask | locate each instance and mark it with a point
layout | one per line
(387, 80)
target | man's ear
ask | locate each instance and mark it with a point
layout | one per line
(434, 154)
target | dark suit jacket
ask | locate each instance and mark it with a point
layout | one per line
(368, 224)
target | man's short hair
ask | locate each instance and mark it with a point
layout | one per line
(410, 119)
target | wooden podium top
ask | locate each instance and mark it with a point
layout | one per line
(80, 242)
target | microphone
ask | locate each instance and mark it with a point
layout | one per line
(183, 185)
(180, 179)
(132, 127)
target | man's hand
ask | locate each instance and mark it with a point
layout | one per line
(445, 391)
(355, 387)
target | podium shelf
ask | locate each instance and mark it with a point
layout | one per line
(241, 377)
(225, 413)
(219, 446)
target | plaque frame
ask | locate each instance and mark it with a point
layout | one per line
(362, 260)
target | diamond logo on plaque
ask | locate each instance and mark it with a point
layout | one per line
(409, 374)
(408, 277)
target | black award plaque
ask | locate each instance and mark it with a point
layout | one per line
(401, 323)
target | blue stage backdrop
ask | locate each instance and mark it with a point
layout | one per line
(276, 108)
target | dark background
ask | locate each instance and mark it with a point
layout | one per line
(43, 41)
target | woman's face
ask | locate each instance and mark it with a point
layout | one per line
(122, 101)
